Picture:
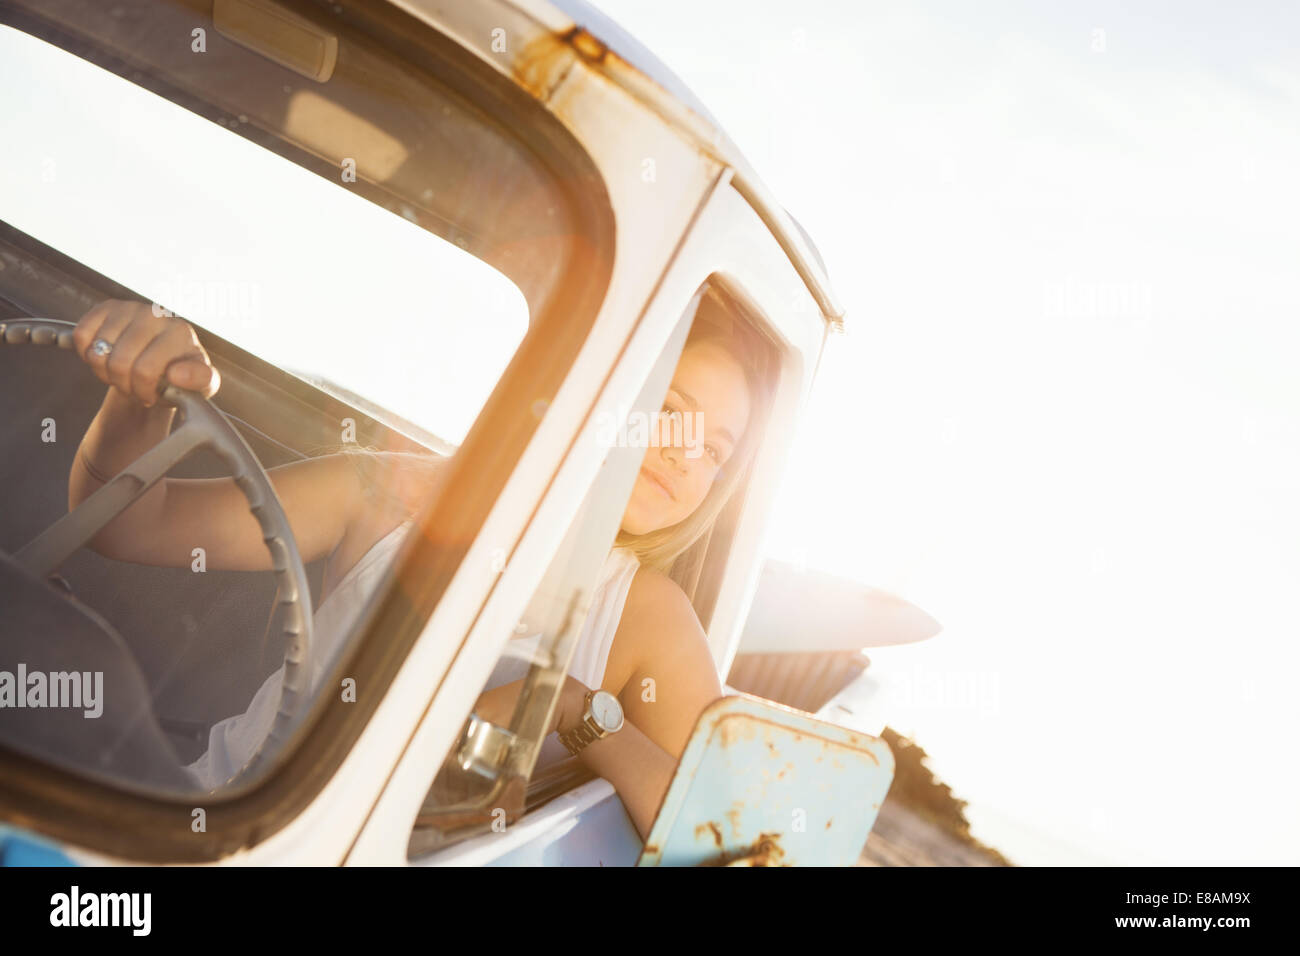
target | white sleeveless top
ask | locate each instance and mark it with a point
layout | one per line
(232, 741)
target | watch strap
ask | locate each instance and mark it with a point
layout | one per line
(577, 738)
(583, 734)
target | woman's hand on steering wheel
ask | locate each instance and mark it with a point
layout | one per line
(139, 349)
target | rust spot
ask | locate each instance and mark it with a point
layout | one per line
(734, 816)
(650, 849)
(543, 63)
(588, 46)
(765, 851)
(734, 727)
(828, 824)
(711, 826)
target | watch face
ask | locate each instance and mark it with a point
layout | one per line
(606, 710)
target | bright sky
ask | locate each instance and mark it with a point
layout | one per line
(1063, 419)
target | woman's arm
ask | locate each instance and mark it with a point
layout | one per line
(321, 496)
(664, 673)
(661, 657)
(661, 670)
(177, 515)
(639, 769)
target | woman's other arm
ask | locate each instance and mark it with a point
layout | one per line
(639, 769)
(662, 671)
(320, 496)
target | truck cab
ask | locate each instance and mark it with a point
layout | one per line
(538, 144)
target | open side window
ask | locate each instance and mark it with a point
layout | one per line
(700, 569)
(495, 774)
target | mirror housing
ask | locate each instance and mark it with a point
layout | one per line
(761, 784)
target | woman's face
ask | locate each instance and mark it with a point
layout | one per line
(704, 415)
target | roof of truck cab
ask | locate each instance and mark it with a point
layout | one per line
(630, 49)
(669, 95)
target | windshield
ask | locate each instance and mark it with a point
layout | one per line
(396, 314)
(295, 269)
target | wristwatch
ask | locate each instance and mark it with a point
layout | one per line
(602, 717)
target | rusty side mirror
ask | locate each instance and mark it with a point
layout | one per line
(761, 784)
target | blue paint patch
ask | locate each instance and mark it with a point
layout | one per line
(18, 848)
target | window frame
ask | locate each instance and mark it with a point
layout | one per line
(569, 775)
(586, 793)
(729, 246)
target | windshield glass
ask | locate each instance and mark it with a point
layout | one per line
(295, 269)
(153, 659)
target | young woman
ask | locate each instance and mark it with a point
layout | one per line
(642, 625)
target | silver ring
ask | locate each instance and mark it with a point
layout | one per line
(100, 347)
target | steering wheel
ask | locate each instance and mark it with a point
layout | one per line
(201, 426)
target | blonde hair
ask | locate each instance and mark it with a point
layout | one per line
(678, 550)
